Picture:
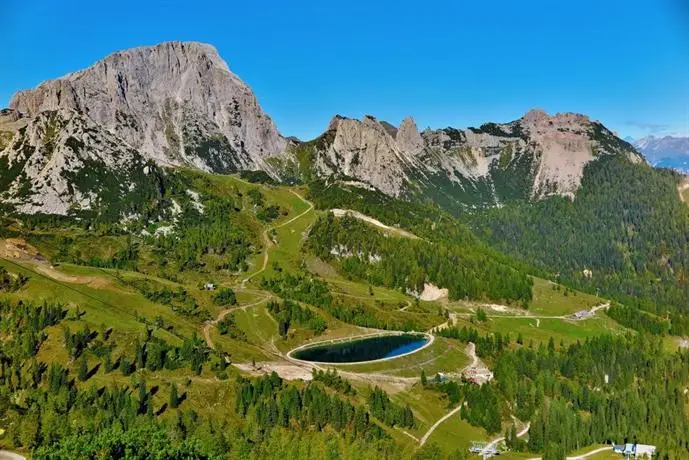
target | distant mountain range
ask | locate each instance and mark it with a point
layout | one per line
(107, 132)
(665, 152)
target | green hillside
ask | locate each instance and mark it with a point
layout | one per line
(627, 226)
(168, 334)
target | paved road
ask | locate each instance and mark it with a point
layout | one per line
(7, 455)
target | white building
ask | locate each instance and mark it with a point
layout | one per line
(635, 450)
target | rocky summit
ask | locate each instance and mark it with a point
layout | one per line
(178, 104)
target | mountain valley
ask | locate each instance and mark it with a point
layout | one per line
(165, 251)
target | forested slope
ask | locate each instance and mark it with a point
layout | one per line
(626, 224)
(465, 270)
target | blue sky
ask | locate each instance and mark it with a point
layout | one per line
(446, 63)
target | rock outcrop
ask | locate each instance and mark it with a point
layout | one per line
(366, 151)
(62, 161)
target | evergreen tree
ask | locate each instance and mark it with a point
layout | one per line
(174, 398)
(82, 369)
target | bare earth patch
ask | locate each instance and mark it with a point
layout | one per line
(51, 272)
(19, 249)
(476, 371)
(285, 370)
(432, 292)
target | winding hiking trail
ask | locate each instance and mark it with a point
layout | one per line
(269, 243)
(208, 326)
(488, 447)
(527, 315)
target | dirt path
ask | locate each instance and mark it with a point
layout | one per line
(269, 243)
(476, 371)
(602, 306)
(51, 272)
(583, 456)
(208, 326)
(591, 453)
(18, 250)
(408, 434)
(527, 315)
(372, 221)
(438, 423)
(448, 323)
(491, 445)
(7, 455)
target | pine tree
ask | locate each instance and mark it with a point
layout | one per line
(107, 362)
(174, 399)
(143, 397)
(140, 355)
(82, 369)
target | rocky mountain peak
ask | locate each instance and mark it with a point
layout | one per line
(665, 151)
(335, 122)
(177, 103)
(408, 137)
(539, 119)
(535, 116)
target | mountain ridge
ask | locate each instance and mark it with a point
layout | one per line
(665, 151)
(178, 104)
(529, 158)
